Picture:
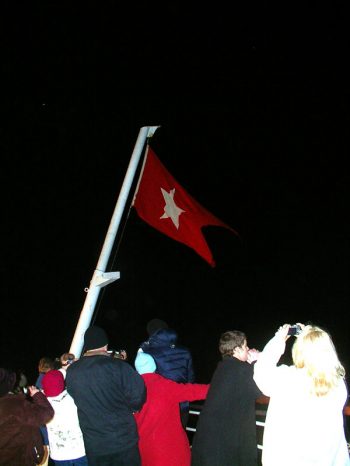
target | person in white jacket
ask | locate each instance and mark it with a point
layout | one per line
(304, 421)
(65, 437)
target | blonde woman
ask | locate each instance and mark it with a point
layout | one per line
(304, 422)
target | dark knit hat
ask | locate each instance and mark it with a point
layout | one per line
(154, 325)
(53, 383)
(7, 381)
(94, 338)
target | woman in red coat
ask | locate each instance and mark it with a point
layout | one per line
(162, 439)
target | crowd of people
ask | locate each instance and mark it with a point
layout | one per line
(103, 410)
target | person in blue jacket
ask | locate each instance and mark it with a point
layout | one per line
(173, 361)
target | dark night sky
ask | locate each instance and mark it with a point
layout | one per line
(253, 108)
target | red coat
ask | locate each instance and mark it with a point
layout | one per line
(163, 441)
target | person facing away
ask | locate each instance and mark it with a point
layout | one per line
(45, 364)
(162, 439)
(20, 418)
(226, 428)
(65, 437)
(173, 361)
(304, 422)
(107, 391)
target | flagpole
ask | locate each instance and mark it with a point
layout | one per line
(100, 277)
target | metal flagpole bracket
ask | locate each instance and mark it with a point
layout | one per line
(102, 279)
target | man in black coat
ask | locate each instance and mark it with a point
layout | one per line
(107, 391)
(226, 429)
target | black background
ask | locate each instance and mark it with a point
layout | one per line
(252, 99)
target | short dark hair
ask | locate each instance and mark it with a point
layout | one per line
(231, 340)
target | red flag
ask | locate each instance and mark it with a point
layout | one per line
(165, 205)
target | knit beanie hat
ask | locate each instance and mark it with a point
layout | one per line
(144, 363)
(154, 325)
(7, 381)
(94, 338)
(53, 383)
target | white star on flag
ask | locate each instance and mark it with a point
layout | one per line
(155, 196)
(171, 210)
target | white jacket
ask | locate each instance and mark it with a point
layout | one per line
(65, 437)
(300, 429)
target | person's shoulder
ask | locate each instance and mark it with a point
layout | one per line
(13, 398)
(231, 364)
(182, 349)
(118, 366)
(79, 366)
(152, 377)
(73, 367)
(243, 366)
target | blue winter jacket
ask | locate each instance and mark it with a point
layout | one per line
(173, 361)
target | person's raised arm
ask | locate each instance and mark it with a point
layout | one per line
(265, 368)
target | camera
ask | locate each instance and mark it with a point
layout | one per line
(114, 354)
(294, 330)
(117, 354)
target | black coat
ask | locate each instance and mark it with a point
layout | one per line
(226, 429)
(106, 391)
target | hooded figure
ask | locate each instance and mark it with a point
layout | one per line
(173, 361)
(7, 381)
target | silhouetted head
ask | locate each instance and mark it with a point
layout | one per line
(154, 325)
(95, 338)
(7, 381)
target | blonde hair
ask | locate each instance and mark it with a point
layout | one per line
(314, 351)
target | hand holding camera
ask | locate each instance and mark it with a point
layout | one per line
(121, 354)
(295, 329)
(288, 330)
